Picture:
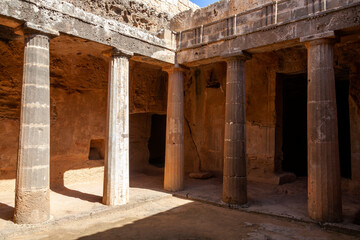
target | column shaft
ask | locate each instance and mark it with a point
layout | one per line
(116, 175)
(234, 175)
(324, 190)
(32, 200)
(174, 154)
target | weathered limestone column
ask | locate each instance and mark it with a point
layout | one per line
(234, 173)
(324, 183)
(116, 174)
(174, 153)
(32, 197)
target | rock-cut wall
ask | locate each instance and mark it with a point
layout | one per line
(150, 15)
(216, 11)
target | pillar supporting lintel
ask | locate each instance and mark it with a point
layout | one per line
(32, 194)
(234, 172)
(174, 153)
(116, 171)
(324, 181)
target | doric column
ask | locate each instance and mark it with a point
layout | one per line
(174, 153)
(32, 197)
(116, 174)
(324, 183)
(234, 173)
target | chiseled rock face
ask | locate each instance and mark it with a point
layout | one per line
(150, 15)
(218, 10)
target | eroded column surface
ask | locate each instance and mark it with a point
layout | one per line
(324, 190)
(116, 174)
(234, 174)
(174, 153)
(32, 199)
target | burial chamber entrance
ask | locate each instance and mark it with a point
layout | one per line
(157, 141)
(294, 122)
(291, 108)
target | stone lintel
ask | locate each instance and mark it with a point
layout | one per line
(175, 68)
(240, 55)
(318, 36)
(31, 28)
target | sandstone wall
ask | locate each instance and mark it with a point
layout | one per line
(205, 89)
(146, 14)
(78, 76)
(218, 10)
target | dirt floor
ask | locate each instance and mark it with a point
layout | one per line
(154, 214)
(174, 218)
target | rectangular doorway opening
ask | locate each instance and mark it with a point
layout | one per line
(157, 140)
(293, 108)
(342, 102)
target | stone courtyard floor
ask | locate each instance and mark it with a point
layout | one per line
(273, 212)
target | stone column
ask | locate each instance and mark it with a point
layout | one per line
(174, 153)
(32, 196)
(324, 182)
(116, 173)
(234, 173)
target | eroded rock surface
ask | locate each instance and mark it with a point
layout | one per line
(148, 15)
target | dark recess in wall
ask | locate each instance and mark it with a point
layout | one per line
(157, 139)
(97, 149)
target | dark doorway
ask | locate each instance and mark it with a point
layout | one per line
(342, 102)
(291, 108)
(156, 143)
(294, 122)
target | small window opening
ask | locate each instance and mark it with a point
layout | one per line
(97, 149)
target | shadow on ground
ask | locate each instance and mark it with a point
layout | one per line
(6, 211)
(77, 194)
(201, 221)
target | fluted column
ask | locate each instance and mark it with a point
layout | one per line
(324, 183)
(32, 197)
(116, 174)
(234, 173)
(174, 153)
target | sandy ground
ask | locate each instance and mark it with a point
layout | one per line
(155, 214)
(174, 218)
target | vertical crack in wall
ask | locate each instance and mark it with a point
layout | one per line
(197, 152)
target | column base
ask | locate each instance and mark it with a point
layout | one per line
(170, 188)
(32, 207)
(115, 201)
(234, 190)
(334, 216)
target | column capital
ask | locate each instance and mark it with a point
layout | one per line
(116, 52)
(319, 38)
(238, 55)
(29, 28)
(174, 68)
